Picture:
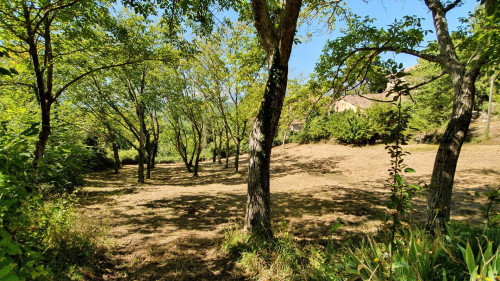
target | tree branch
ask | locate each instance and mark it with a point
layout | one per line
(265, 29)
(76, 79)
(452, 5)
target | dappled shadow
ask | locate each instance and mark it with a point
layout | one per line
(101, 196)
(182, 259)
(171, 227)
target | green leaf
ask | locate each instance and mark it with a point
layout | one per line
(400, 180)
(409, 170)
(469, 260)
(13, 249)
(5, 271)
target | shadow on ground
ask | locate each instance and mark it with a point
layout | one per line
(191, 255)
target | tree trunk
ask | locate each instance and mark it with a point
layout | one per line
(45, 130)
(155, 152)
(149, 155)
(443, 174)
(214, 157)
(237, 155)
(116, 155)
(148, 165)
(490, 102)
(219, 154)
(142, 145)
(284, 138)
(277, 42)
(227, 150)
(257, 218)
(197, 160)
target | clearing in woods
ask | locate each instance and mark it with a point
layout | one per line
(171, 227)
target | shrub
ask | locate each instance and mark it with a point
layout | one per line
(33, 229)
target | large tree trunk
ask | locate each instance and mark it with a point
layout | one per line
(257, 218)
(278, 42)
(116, 155)
(443, 174)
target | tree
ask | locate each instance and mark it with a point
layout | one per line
(47, 32)
(363, 42)
(185, 110)
(276, 28)
(228, 72)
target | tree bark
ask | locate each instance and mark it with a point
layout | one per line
(490, 102)
(219, 154)
(142, 145)
(45, 130)
(441, 186)
(227, 150)
(237, 155)
(277, 43)
(214, 156)
(278, 46)
(257, 218)
(116, 163)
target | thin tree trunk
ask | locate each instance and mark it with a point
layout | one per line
(197, 159)
(214, 157)
(227, 150)
(155, 152)
(490, 102)
(148, 165)
(116, 155)
(142, 145)
(284, 138)
(219, 154)
(237, 155)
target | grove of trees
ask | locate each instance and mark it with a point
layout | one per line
(86, 85)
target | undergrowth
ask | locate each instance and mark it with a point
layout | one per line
(465, 253)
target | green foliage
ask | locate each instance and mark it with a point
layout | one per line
(349, 127)
(20, 258)
(34, 231)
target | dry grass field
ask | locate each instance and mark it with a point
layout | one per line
(171, 227)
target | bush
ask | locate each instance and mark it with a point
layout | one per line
(33, 229)
(129, 157)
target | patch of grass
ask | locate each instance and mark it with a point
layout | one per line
(280, 258)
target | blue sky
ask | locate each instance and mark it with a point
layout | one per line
(305, 55)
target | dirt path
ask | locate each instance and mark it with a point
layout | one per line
(171, 227)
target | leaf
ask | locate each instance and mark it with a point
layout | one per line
(13, 249)
(469, 260)
(5, 271)
(399, 180)
(409, 170)
(336, 226)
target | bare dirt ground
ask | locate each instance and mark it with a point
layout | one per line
(171, 227)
